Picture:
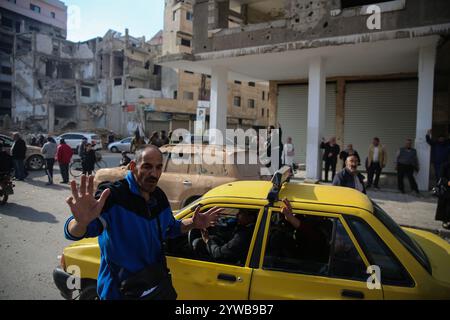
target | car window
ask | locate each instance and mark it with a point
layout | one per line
(229, 241)
(176, 167)
(412, 246)
(378, 253)
(305, 250)
(128, 140)
(77, 137)
(6, 142)
(95, 137)
(320, 246)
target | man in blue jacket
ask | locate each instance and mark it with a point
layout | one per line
(440, 150)
(131, 218)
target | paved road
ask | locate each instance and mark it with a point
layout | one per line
(31, 236)
(31, 232)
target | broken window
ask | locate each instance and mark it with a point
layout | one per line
(85, 92)
(156, 70)
(53, 15)
(6, 70)
(18, 26)
(35, 8)
(49, 69)
(65, 71)
(251, 84)
(175, 95)
(185, 42)
(118, 81)
(238, 82)
(6, 94)
(7, 22)
(118, 66)
(147, 65)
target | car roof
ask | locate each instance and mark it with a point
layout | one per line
(80, 133)
(193, 148)
(294, 192)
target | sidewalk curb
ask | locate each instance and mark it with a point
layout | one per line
(440, 232)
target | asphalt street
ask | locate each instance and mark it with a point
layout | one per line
(31, 236)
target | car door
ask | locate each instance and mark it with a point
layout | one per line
(125, 145)
(201, 278)
(320, 260)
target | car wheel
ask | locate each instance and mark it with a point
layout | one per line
(114, 150)
(35, 162)
(89, 293)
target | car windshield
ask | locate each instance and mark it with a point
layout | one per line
(412, 246)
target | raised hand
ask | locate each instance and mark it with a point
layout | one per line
(204, 220)
(85, 208)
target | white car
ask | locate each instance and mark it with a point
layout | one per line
(122, 145)
(74, 139)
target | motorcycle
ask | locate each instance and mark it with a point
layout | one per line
(6, 187)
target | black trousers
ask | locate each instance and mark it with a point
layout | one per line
(374, 170)
(49, 163)
(330, 163)
(408, 170)
(64, 172)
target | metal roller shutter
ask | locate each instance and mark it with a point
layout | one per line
(384, 109)
(180, 124)
(157, 126)
(293, 115)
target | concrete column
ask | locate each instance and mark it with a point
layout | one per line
(316, 118)
(427, 61)
(219, 105)
(51, 117)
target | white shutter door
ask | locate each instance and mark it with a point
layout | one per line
(384, 109)
(293, 115)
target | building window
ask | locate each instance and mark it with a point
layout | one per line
(188, 95)
(85, 92)
(268, 113)
(18, 26)
(118, 81)
(12, 1)
(53, 15)
(6, 70)
(188, 72)
(238, 82)
(185, 42)
(156, 70)
(263, 96)
(6, 95)
(175, 95)
(7, 22)
(189, 16)
(31, 28)
(35, 8)
(252, 84)
(262, 112)
(237, 101)
(251, 103)
(174, 15)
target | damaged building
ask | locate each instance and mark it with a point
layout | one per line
(60, 85)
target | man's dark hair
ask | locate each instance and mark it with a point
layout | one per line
(62, 141)
(140, 152)
(376, 139)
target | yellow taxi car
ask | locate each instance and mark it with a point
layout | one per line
(346, 247)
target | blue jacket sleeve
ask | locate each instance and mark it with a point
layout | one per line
(94, 229)
(174, 226)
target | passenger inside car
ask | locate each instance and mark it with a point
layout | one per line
(232, 249)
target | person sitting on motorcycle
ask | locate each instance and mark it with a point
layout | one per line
(125, 159)
(6, 163)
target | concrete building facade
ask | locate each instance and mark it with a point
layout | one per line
(20, 17)
(354, 69)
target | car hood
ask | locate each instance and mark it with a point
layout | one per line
(437, 251)
(34, 149)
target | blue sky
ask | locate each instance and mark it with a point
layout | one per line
(92, 18)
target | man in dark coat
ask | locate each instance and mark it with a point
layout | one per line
(330, 156)
(350, 177)
(440, 150)
(18, 153)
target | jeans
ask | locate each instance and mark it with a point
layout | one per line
(19, 169)
(374, 170)
(64, 172)
(408, 170)
(49, 163)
